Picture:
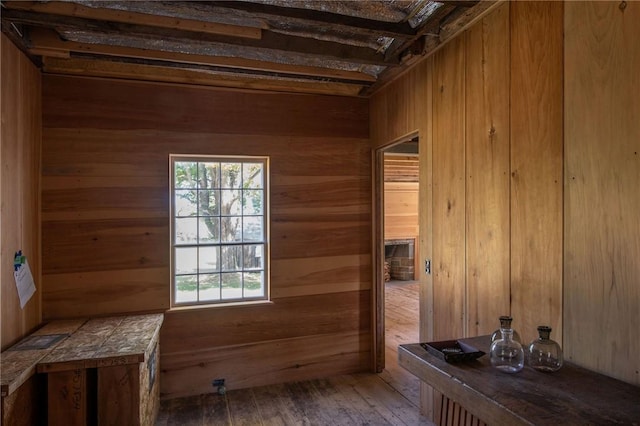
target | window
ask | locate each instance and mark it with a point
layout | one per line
(219, 208)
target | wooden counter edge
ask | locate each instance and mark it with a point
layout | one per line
(484, 408)
(69, 326)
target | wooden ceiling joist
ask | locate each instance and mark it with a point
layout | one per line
(142, 72)
(272, 41)
(379, 28)
(45, 40)
(324, 46)
(112, 15)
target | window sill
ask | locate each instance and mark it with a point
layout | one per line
(219, 305)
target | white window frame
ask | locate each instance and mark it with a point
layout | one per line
(197, 246)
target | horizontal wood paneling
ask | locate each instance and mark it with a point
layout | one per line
(174, 108)
(106, 225)
(124, 290)
(286, 360)
(602, 195)
(284, 318)
(20, 136)
(330, 274)
(400, 210)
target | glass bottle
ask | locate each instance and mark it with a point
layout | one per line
(506, 354)
(544, 354)
(505, 322)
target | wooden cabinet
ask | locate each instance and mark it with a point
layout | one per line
(102, 371)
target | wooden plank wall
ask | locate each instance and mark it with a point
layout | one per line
(594, 304)
(602, 195)
(471, 194)
(400, 197)
(481, 192)
(106, 226)
(536, 167)
(20, 187)
(486, 249)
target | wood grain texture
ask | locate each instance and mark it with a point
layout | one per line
(106, 224)
(602, 195)
(119, 393)
(67, 397)
(17, 366)
(487, 142)
(17, 408)
(20, 143)
(449, 262)
(94, 103)
(571, 395)
(536, 166)
(400, 210)
(54, 64)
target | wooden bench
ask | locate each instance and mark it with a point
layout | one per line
(572, 395)
(102, 370)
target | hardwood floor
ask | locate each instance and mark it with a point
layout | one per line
(389, 398)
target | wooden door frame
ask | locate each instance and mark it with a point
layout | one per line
(378, 251)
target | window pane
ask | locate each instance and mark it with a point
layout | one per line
(209, 259)
(252, 229)
(252, 201)
(186, 230)
(209, 287)
(185, 203)
(185, 174)
(186, 260)
(231, 203)
(230, 229)
(252, 175)
(186, 288)
(219, 229)
(209, 230)
(209, 203)
(208, 175)
(230, 175)
(253, 284)
(231, 258)
(252, 256)
(231, 285)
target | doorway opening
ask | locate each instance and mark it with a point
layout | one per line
(397, 260)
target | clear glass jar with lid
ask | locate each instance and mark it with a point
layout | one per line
(506, 354)
(544, 354)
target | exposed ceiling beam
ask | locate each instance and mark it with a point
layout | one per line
(110, 69)
(388, 29)
(448, 30)
(46, 42)
(269, 40)
(80, 11)
(432, 25)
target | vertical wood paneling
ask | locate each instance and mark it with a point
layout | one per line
(449, 191)
(602, 195)
(536, 166)
(106, 226)
(20, 187)
(487, 164)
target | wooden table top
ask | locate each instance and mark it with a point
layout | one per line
(16, 366)
(572, 395)
(103, 342)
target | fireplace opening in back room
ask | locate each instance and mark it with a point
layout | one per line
(399, 260)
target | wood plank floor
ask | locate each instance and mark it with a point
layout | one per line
(389, 398)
